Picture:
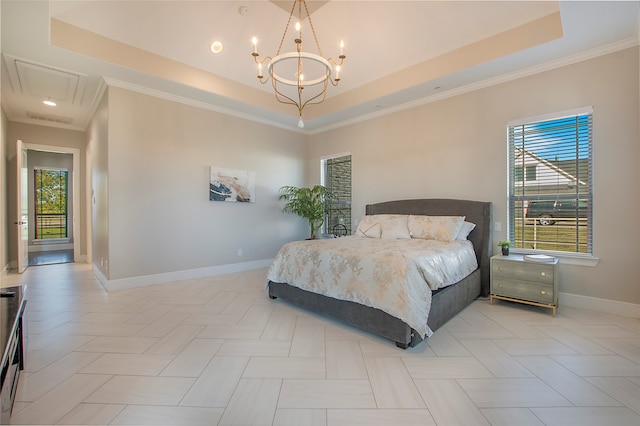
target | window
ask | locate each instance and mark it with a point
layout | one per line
(50, 203)
(531, 173)
(336, 177)
(551, 208)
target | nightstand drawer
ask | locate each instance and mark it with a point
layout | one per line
(525, 271)
(525, 290)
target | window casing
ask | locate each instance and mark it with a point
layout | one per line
(336, 177)
(550, 183)
(51, 203)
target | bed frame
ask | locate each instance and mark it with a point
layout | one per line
(446, 302)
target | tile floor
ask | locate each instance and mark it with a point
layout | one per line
(218, 351)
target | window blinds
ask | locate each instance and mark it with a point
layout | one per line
(550, 183)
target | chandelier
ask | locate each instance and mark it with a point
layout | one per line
(299, 78)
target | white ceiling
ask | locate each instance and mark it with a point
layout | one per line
(399, 53)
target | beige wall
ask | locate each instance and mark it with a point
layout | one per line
(160, 216)
(456, 148)
(4, 261)
(97, 141)
(4, 242)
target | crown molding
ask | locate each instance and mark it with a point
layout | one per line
(194, 103)
(494, 81)
(547, 66)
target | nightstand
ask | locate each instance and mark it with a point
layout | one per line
(518, 280)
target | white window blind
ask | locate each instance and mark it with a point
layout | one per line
(550, 183)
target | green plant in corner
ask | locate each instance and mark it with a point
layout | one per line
(309, 203)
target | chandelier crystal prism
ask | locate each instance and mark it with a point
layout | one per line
(299, 78)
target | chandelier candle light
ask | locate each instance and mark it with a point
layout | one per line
(295, 64)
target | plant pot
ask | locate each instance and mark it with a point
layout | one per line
(505, 251)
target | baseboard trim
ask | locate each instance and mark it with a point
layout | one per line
(599, 305)
(147, 280)
(104, 282)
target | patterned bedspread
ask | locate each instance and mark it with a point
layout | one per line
(395, 276)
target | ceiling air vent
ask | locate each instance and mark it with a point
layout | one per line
(49, 118)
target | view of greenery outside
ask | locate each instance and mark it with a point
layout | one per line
(50, 203)
(550, 169)
(337, 180)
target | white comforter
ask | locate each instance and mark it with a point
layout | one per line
(395, 276)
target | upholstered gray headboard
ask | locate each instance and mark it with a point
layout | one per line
(478, 212)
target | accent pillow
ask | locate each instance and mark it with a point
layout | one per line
(369, 228)
(465, 230)
(385, 226)
(394, 226)
(440, 228)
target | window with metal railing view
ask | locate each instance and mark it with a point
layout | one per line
(550, 183)
(336, 177)
(51, 188)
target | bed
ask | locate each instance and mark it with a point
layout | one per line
(444, 303)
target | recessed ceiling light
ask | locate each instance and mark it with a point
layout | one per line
(49, 102)
(216, 47)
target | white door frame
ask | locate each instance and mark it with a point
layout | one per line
(89, 201)
(75, 152)
(22, 209)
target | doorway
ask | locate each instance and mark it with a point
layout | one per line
(51, 214)
(53, 205)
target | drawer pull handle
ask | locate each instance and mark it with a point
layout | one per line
(544, 274)
(499, 285)
(499, 269)
(543, 292)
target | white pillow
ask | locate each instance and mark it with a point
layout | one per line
(394, 226)
(385, 226)
(465, 230)
(369, 228)
(440, 228)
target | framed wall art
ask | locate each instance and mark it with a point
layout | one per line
(232, 185)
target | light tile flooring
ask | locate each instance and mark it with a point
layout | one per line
(218, 351)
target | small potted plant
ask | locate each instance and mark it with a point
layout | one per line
(504, 245)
